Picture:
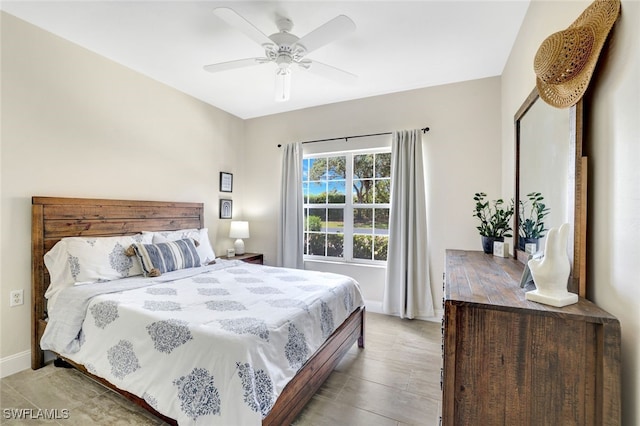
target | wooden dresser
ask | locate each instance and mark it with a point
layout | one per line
(509, 361)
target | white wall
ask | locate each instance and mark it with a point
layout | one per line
(462, 151)
(613, 146)
(84, 126)
(76, 124)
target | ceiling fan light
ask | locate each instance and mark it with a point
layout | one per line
(283, 84)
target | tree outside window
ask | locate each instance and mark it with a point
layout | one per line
(346, 202)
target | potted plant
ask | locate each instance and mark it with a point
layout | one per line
(531, 220)
(495, 220)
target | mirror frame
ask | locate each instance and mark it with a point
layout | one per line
(577, 191)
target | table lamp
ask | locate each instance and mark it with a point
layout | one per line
(239, 229)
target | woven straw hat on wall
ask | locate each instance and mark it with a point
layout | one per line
(565, 61)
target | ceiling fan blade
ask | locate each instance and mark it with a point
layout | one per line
(328, 71)
(334, 29)
(237, 21)
(240, 63)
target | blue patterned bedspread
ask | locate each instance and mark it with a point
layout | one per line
(214, 348)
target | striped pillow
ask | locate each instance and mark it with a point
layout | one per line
(156, 259)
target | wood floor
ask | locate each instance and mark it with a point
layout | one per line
(394, 380)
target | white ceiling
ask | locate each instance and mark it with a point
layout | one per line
(397, 45)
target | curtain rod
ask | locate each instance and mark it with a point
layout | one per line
(346, 138)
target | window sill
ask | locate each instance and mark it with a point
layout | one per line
(344, 263)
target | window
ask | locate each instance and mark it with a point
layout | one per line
(346, 205)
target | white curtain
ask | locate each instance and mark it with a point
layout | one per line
(290, 224)
(407, 291)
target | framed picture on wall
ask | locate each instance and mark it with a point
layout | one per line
(226, 182)
(226, 209)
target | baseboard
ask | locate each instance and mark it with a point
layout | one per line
(376, 307)
(373, 306)
(16, 363)
(438, 314)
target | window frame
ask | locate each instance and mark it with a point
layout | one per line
(348, 206)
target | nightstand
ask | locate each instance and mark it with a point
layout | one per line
(256, 258)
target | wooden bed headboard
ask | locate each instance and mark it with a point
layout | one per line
(54, 218)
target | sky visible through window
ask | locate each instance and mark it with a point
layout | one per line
(347, 195)
(319, 187)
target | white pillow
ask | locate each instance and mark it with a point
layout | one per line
(204, 249)
(82, 260)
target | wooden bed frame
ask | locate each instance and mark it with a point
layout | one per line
(54, 218)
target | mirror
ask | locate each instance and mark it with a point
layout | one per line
(549, 161)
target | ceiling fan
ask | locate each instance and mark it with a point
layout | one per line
(286, 49)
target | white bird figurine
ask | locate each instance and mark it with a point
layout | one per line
(551, 273)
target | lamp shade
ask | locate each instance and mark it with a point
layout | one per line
(239, 229)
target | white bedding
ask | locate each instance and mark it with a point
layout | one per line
(213, 348)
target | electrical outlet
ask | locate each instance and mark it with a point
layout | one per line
(16, 298)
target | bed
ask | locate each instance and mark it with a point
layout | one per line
(57, 218)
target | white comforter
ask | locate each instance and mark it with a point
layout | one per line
(213, 348)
